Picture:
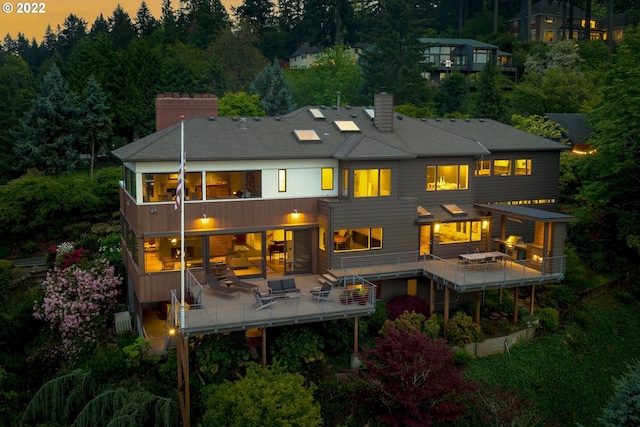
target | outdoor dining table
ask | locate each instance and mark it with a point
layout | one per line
(479, 259)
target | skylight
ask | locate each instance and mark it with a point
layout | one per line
(316, 113)
(454, 210)
(370, 112)
(346, 126)
(306, 136)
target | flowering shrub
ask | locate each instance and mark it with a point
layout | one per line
(77, 303)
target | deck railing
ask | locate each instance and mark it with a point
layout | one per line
(461, 277)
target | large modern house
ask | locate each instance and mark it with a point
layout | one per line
(362, 201)
(363, 195)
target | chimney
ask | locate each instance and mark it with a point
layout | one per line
(170, 107)
(383, 112)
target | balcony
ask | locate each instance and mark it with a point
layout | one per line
(214, 312)
(453, 274)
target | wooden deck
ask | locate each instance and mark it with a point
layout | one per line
(218, 313)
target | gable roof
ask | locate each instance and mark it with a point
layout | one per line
(575, 124)
(272, 138)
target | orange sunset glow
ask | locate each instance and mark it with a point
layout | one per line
(32, 18)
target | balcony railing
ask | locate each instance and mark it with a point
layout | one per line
(451, 273)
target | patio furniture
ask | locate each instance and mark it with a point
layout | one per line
(231, 275)
(322, 293)
(282, 286)
(262, 300)
(214, 284)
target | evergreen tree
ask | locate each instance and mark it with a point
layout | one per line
(452, 95)
(491, 104)
(17, 90)
(121, 28)
(145, 22)
(274, 90)
(624, 407)
(395, 61)
(48, 138)
(202, 21)
(96, 126)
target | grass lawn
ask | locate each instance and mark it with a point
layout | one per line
(569, 375)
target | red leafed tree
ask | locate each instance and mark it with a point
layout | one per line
(413, 377)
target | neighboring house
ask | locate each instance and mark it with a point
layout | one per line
(463, 55)
(305, 56)
(363, 194)
(550, 23)
(575, 130)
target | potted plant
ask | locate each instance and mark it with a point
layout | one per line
(346, 297)
(361, 296)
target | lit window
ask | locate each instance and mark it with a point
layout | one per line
(447, 177)
(357, 239)
(483, 168)
(282, 180)
(502, 167)
(327, 178)
(522, 167)
(345, 182)
(372, 182)
(458, 232)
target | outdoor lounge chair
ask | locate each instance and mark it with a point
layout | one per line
(262, 300)
(322, 293)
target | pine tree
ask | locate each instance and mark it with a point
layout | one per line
(274, 90)
(491, 103)
(96, 126)
(48, 138)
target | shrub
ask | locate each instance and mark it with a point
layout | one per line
(432, 326)
(461, 330)
(409, 303)
(549, 317)
(297, 347)
(405, 323)
(77, 304)
(462, 358)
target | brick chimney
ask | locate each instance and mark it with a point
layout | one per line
(171, 106)
(383, 111)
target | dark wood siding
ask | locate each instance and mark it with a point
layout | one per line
(396, 217)
(541, 184)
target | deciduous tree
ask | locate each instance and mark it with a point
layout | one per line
(413, 379)
(262, 398)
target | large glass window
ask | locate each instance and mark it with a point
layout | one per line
(502, 167)
(225, 185)
(458, 232)
(327, 178)
(371, 182)
(161, 187)
(357, 239)
(447, 177)
(522, 167)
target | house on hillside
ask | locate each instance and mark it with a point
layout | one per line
(361, 195)
(467, 56)
(306, 55)
(550, 23)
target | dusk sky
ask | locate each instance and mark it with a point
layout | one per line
(33, 25)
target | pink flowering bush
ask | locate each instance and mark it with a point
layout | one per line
(77, 303)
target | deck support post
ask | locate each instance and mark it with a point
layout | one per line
(264, 347)
(515, 306)
(533, 299)
(432, 297)
(478, 302)
(355, 335)
(182, 344)
(446, 309)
